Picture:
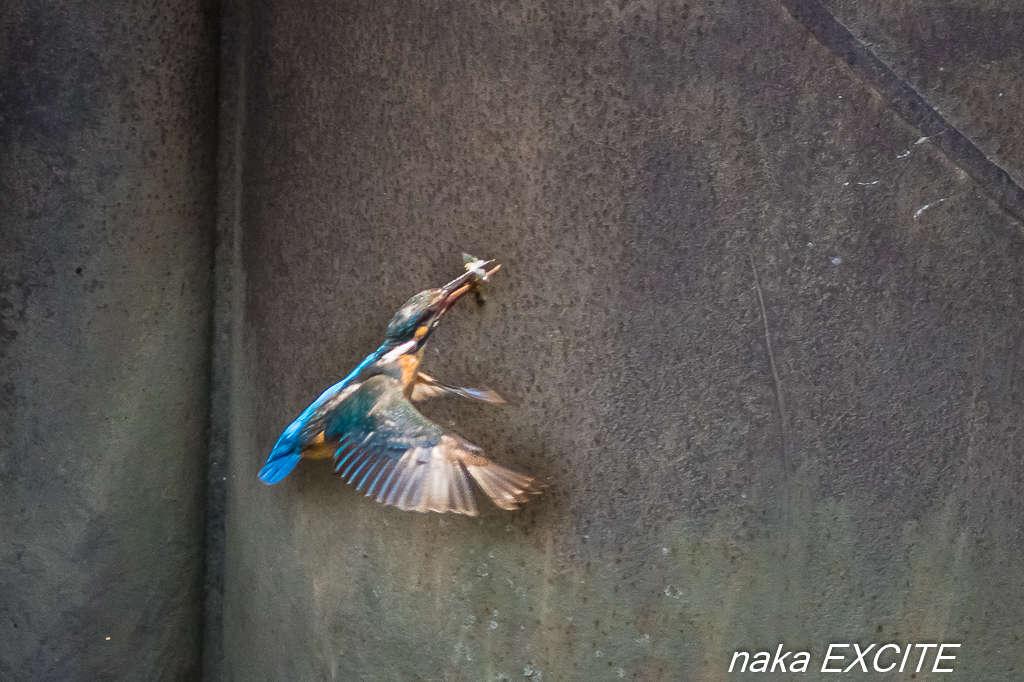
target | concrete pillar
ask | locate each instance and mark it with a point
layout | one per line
(766, 359)
(107, 146)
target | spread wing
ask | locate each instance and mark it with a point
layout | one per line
(390, 450)
(427, 387)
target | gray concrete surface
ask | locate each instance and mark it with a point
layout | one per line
(107, 142)
(767, 361)
(761, 345)
(965, 56)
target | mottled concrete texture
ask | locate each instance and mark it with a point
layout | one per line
(964, 56)
(767, 360)
(107, 142)
(761, 341)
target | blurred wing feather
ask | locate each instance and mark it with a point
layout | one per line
(386, 448)
(427, 387)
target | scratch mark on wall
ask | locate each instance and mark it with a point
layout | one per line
(779, 400)
(926, 207)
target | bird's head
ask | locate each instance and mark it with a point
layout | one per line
(414, 321)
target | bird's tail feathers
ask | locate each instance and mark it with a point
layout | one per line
(283, 458)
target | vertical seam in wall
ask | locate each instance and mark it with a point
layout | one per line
(229, 132)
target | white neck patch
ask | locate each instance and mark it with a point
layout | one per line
(397, 351)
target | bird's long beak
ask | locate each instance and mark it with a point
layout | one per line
(475, 275)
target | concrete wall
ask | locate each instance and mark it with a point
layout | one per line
(759, 339)
(107, 142)
(763, 347)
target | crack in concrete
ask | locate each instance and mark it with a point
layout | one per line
(910, 105)
(780, 402)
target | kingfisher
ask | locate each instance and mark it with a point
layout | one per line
(377, 438)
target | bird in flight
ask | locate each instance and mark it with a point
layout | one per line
(378, 439)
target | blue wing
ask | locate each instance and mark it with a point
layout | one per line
(288, 450)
